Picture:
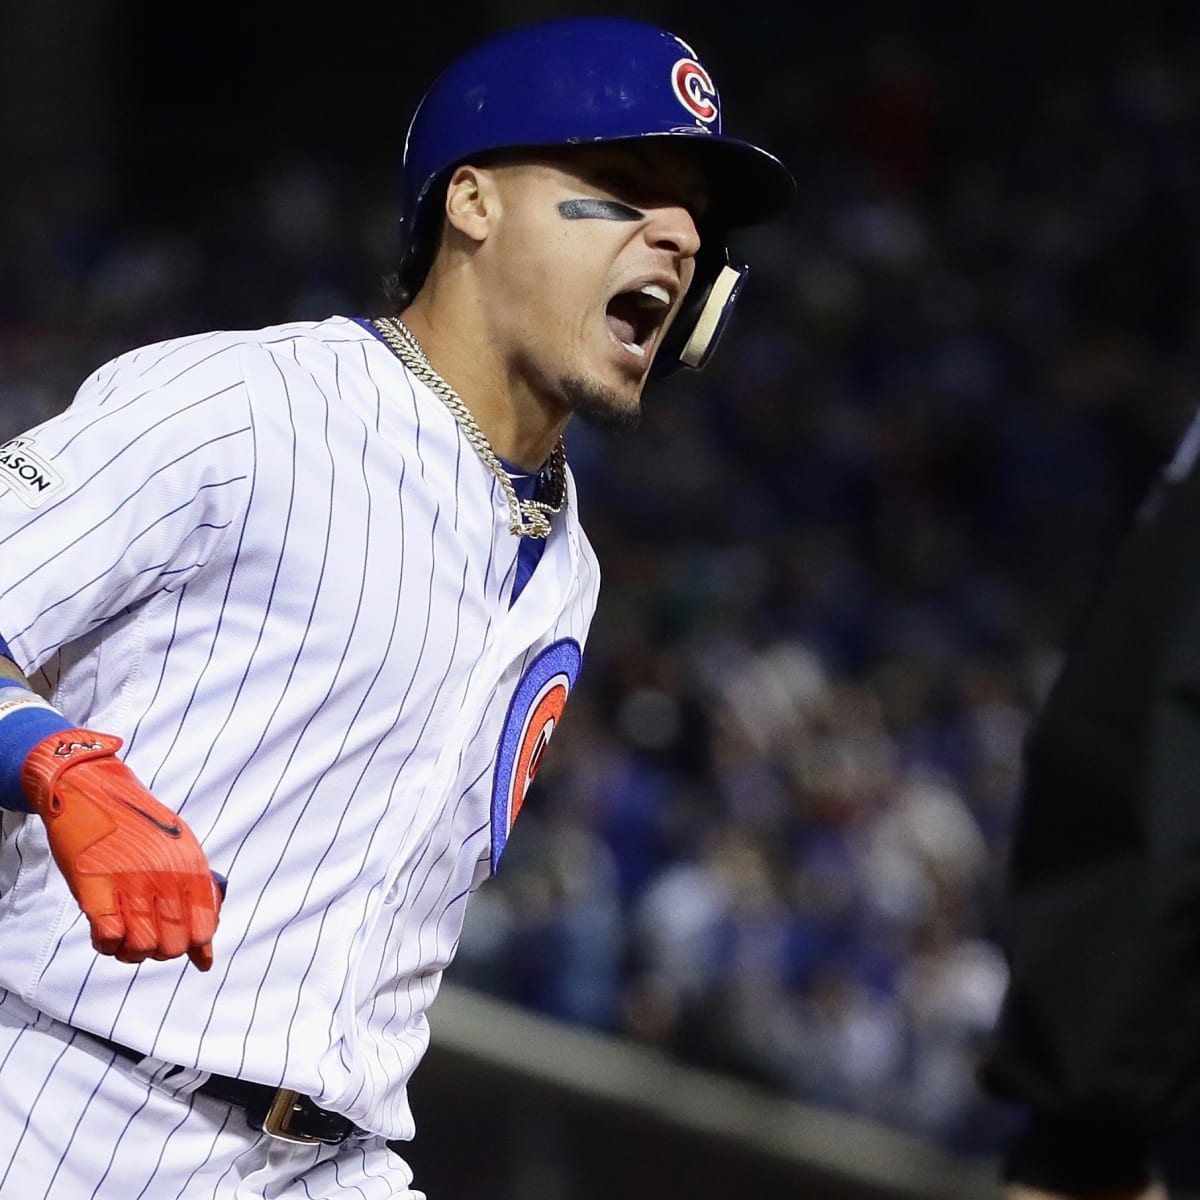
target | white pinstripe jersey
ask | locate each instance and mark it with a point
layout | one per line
(271, 562)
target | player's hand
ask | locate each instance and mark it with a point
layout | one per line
(135, 868)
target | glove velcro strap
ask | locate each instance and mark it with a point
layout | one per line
(53, 755)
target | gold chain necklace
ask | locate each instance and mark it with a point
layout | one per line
(527, 518)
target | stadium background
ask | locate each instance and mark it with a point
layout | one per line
(840, 565)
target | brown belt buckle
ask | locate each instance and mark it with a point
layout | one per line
(279, 1117)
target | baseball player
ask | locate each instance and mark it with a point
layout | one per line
(298, 609)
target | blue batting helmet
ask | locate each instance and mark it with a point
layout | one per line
(584, 81)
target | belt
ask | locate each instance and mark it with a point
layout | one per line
(279, 1112)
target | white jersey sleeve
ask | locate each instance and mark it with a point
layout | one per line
(125, 494)
(273, 564)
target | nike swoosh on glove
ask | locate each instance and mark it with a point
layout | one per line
(136, 870)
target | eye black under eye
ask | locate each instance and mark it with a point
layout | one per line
(592, 208)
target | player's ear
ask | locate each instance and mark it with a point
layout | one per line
(472, 201)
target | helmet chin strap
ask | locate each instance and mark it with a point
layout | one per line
(714, 315)
(699, 326)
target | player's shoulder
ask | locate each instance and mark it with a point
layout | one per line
(203, 359)
(335, 346)
(331, 334)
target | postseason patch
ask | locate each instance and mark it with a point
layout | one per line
(27, 474)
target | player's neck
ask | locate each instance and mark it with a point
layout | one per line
(521, 428)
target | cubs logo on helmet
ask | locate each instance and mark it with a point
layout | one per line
(589, 81)
(533, 714)
(694, 88)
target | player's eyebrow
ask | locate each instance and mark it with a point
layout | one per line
(599, 210)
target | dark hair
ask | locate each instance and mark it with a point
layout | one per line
(397, 295)
(422, 236)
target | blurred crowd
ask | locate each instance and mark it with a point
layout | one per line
(840, 565)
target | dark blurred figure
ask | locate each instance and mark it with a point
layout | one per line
(1098, 1035)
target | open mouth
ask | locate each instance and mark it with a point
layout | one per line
(635, 316)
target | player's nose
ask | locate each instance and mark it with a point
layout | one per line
(673, 228)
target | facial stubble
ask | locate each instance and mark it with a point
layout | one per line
(600, 407)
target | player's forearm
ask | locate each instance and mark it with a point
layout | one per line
(8, 668)
(10, 672)
(1080, 1155)
(1151, 1191)
(135, 868)
(25, 721)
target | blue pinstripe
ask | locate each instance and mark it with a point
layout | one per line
(29, 1114)
(397, 665)
(90, 534)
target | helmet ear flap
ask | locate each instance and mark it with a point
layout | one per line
(702, 319)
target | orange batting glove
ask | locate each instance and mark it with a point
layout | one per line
(135, 868)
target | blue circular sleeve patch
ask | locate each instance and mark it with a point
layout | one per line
(533, 713)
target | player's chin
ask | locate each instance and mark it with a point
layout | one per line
(615, 406)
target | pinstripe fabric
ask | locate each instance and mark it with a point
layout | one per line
(77, 1124)
(280, 573)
